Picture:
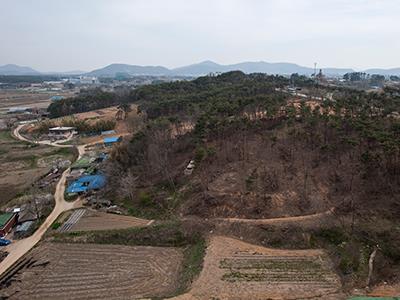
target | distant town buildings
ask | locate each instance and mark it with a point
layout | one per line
(83, 80)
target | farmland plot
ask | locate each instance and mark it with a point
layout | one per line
(90, 271)
(95, 220)
(237, 270)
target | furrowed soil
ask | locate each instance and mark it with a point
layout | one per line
(237, 270)
(91, 271)
(95, 220)
(20, 98)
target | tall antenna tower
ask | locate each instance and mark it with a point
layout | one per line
(315, 70)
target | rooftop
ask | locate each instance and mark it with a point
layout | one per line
(112, 139)
(87, 183)
(62, 128)
(82, 163)
(4, 218)
(24, 226)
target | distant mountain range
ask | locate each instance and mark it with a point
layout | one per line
(113, 69)
(386, 72)
(207, 67)
(17, 70)
(195, 70)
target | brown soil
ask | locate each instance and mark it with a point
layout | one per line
(20, 98)
(264, 187)
(237, 270)
(94, 220)
(77, 271)
(386, 290)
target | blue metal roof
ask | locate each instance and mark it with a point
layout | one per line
(87, 183)
(113, 139)
(56, 98)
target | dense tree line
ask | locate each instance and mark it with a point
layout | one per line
(86, 101)
(224, 95)
(27, 78)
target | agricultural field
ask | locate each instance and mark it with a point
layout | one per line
(88, 220)
(90, 271)
(22, 164)
(21, 98)
(237, 270)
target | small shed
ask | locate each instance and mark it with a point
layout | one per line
(110, 141)
(7, 222)
(86, 184)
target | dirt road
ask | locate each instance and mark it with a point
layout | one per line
(49, 143)
(282, 220)
(19, 248)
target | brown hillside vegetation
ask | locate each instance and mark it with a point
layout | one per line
(262, 172)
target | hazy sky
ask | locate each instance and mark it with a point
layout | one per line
(62, 35)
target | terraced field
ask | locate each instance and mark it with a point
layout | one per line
(93, 220)
(72, 220)
(90, 271)
(237, 270)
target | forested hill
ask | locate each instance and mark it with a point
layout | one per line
(86, 101)
(227, 92)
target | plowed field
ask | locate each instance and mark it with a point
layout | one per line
(237, 270)
(94, 220)
(91, 271)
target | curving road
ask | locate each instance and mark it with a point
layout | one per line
(281, 220)
(19, 248)
(49, 143)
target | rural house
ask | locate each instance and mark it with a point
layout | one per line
(7, 222)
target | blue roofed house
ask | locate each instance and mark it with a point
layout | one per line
(87, 184)
(56, 98)
(110, 141)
